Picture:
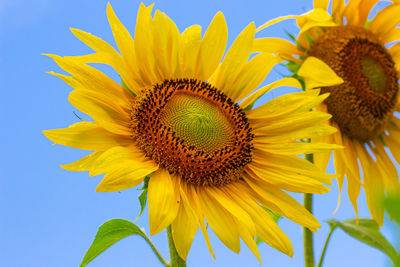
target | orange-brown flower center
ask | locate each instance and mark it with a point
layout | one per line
(193, 130)
(365, 102)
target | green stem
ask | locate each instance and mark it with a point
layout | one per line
(308, 235)
(321, 260)
(308, 241)
(176, 260)
(158, 254)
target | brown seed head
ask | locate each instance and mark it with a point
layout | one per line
(193, 130)
(365, 102)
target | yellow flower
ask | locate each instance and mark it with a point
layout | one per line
(363, 107)
(208, 157)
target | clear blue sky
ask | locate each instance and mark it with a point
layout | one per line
(49, 216)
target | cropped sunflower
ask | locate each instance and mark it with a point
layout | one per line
(177, 121)
(366, 55)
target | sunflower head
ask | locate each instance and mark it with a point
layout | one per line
(365, 54)
(185, 120)
(193, 130)
(365, 102)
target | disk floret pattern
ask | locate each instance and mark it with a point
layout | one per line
(193, 130)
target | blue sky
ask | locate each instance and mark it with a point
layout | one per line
(49, 216)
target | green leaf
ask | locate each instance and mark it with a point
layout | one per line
(380, 137)
(143, 196)
(366, 231)
(143, 200)
(145, 182)
(392, 206)
(301, 81)
(108, 234)
(293, 66)
(309, 39)
(290, 35)
(275, 216)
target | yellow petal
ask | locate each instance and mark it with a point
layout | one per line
(317, 17)
(235, 59)
(252, 75)
(340, 168)
(249, 101)
(306, 132)
(195, 201)
(144, 45)
(310, 24)
(191, 42)
(232, 207)
(106, 54)
(353, 190)
(131, 156)
(87, 136)
(391, 36)
(122, 37)
(348, 154)
(92, 79)
(337, 11)
(108, 115)
(351, 12)
(244, 223)
(71, 81)
(220, 221)
(321, 160)
(99, 45)
(163, 201)
(318, 74)
(248, 238)
(166, 37)
(346, 163)
(184, 226)
(286, 180)
(393, 145)
(287, 104)
(84, 164)
(387, 169)
(121, 177)
(296, 148)
(350, 157)
(288, 123)
(281, 203)
(212, 47)
(126, 46)
(395, 52)
(276, 20)
(266, 228)
(174, 45)
(293, 164)
(372, 183)
(385, 20)
(364, 9)
(276, 46)
(276, 170)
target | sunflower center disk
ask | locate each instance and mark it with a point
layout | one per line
(365, 102)
(198, 121)
(193, 130)
(374, 73)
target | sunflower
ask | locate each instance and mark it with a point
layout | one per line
(176, 119)
(366, 55)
